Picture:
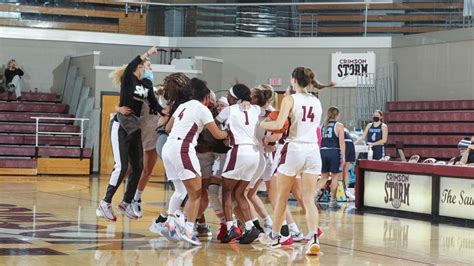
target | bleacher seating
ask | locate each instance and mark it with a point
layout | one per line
(398, 18)
(431, 129)
(17, 133)
(91, 15)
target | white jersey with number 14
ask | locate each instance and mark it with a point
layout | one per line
(305, 118)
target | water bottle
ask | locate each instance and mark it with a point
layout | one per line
(370, 154)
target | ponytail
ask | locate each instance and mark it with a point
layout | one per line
(333, 112)
(305, 76)
(117, 76)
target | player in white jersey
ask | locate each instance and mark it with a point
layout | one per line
(185, 125)
(242, 161)
(300, 154)
(262, 95)
(177, 89)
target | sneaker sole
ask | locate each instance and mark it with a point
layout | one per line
(100, 213)
(313, 250)
(190, 241)
(124, 212)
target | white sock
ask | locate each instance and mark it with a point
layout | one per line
(234, 222)
(229, 225)
(138, 195)
(189, 227)
(268, 221)
(293, 227)
(248, 225)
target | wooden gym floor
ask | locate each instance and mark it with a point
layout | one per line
(49, 220)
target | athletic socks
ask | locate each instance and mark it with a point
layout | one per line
(249, 225)
(293, 227)
(138, 195)
(268, 221)
(229, 225)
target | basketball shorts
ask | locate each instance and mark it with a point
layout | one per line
(298, 158)
(331, 159)
(180, 165)
(262, 163)
(350, 152)
(242, 162)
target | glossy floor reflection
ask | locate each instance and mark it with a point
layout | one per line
(51, 221)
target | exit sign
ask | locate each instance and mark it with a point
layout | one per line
(275, 81)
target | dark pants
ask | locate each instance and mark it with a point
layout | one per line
(126, 149)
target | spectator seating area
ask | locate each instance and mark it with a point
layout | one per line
(430, 129)
(55, 154)
(84, 15)
(396, 18)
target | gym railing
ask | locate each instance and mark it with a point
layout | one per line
(52, 133)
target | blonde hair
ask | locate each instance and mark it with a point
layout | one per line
(10, 62)
(117, 75)
(333, 112)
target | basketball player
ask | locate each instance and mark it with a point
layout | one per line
(126, 134)
(300, 154)
(177, 90)
(185, 125)
(262, 95)
(350, 158)
(242, 161)
(333, 151)
(220, 151)
(376, 134)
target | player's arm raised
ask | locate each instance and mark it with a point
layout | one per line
(285, 109)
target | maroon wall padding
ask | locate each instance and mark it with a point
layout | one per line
(43, 151)
(17, 163)
(31, 128)
(425, 140)
(430, 116)
(30, 97)
(430, 105)
(439, 153)
(26, 117)
(418, 168)
(43, 140)
(33, 107)
(432, 128)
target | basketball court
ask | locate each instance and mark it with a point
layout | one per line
(50, 220)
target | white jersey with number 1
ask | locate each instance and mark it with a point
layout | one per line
(242, 124)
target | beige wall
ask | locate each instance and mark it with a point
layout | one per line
(435, 66)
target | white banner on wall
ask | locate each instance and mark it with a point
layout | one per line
(347, 68)
(395, 191)
(456, 197)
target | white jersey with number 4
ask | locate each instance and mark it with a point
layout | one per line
(305, 118)
(242, 124)
(189, 120)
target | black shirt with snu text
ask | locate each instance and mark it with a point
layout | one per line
(133, 91)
